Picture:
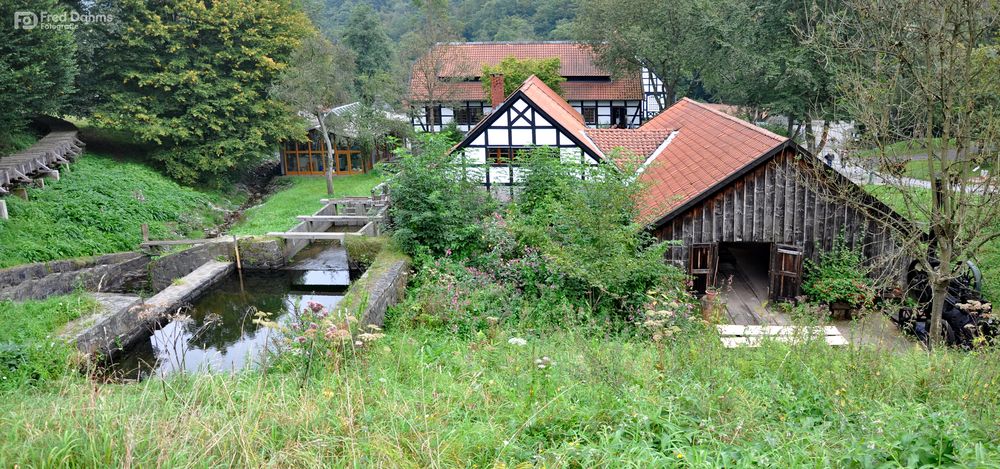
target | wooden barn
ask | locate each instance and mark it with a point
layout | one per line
(744, 206)
(306, 158)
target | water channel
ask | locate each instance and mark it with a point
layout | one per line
(218, 332)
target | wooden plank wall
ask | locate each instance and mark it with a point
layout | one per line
(782, 202)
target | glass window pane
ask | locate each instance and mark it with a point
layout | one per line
(357, 162)
(342, 162)
(318, 162)
(303, 163)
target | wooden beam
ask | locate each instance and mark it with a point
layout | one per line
(741, 330)
(336, 218)
(755, 341)
(310, 235)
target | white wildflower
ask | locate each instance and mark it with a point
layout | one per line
(517, 341)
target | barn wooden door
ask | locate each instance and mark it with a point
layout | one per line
(786, 271)
(704, 263)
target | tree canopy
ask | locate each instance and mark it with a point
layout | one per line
(37, 68)
(193, 78)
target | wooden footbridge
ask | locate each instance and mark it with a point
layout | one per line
(43, 159)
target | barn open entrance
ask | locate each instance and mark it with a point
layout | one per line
(743, 267)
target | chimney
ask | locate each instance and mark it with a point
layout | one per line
(496, 90)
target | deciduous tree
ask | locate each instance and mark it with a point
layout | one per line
(926, 70)
(515, 71)
(320, 78)
(660, 35)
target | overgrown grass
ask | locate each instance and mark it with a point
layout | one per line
(98, 207)
(30, 350)
(300, 195)
(423, 399)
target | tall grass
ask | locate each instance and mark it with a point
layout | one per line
(31, 351)
(300, 195)
(99, 207)
(423, 399)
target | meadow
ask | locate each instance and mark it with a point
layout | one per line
(299, 195)
(99, 206)
(423, 398)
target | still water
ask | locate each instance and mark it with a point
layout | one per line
(218, 334)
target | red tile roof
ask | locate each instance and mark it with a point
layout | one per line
(455, 62)
(638, 144)
(709, 147)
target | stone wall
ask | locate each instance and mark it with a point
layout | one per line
(262, 253)
(110, 273)
(385, 291)
(163, 270)
(123, 328)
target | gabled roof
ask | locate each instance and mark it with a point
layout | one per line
(710, 146)
(686, 153)
(460, 64)
(550, 105)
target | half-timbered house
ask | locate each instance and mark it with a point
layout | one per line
(737, 201)
(445, 86)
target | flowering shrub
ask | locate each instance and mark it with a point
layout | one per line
(318, 333)
(838, 277)
(668, 313)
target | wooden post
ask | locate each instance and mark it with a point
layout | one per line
(145, 233)
(21, 192)
(54, 175)
(236, 246)
(40, 182)
(3, 210)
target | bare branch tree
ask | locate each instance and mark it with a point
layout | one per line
(321, 77)
(924, 71)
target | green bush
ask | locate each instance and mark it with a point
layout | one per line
(585, 229)
(839, 276)
(434, 210)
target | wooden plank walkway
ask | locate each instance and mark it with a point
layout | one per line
(59, 147)
(745, 293)
(735, 335)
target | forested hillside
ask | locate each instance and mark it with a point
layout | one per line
(476, 20)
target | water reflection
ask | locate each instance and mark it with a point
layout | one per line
(219, 333)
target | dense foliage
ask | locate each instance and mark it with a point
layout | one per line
(194, 77)
(567, 251)
(98, 207)
(515, 71)
(434, 211)
(839, 276)
(37, 68)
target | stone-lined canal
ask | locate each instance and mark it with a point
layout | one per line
(218, 332)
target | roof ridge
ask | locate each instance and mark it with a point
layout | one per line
(742, 122)
(479, 43)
